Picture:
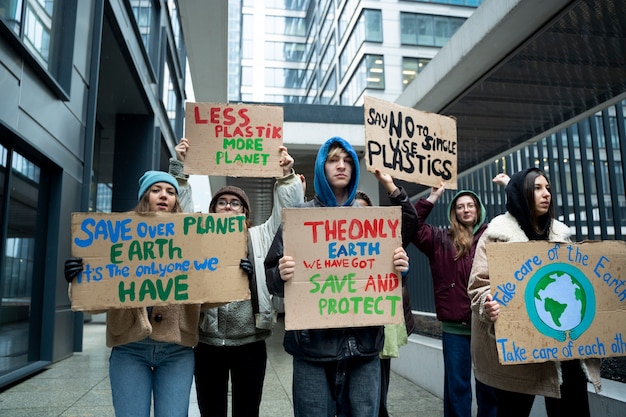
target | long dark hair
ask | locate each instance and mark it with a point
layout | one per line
(540, 224)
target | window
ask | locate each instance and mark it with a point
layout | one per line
(329, 89)
(45, 28)
(279, 25)
(285, 51)
(170, 99)
(22, 255)
(411, 67)
(375, 71)
(369, 74)
(373, 21)
(427, 30)
(146, 15)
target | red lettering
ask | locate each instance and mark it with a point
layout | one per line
(196, 114)
(228, 118)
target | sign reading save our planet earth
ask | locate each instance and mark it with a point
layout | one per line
(148, 259)
(558, 301)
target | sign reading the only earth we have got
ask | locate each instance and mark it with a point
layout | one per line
(236, 140)
(409, 144)
(344, 275)
(135, 260)
(558, 301)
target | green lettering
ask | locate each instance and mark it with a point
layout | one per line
(147, 289)
(164, 292)
(181, 287)
(123, 292)
(116, 251)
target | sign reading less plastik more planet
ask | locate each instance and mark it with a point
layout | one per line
(558, 301)
(409, 144)
(344, 274)
(149, 259)
(237, 140)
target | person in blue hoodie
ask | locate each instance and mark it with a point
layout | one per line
(331, 364)
(450, 251)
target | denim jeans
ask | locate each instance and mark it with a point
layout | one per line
(140, 370)
(457, 387)
(245, 365)
(351, 386)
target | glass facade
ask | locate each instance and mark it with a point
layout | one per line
(428, 30)
(411, 67)
(22, 244)
(40, 27)
(314, 39)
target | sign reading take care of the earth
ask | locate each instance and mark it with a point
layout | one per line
(559, 301)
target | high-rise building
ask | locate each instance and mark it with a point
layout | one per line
(334, 51)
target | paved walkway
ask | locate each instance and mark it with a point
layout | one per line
(79, 386)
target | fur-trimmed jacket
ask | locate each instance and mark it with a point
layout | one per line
(176, 323)
(534, 378)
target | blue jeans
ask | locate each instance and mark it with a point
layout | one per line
(457, 387)
(140, 369)
(351, 386)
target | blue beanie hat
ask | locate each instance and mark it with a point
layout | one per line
(152, 177)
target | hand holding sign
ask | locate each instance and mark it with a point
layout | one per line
(343, 267)
(409, 144)
(236, 140)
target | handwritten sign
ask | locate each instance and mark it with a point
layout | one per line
(237, 140)
(134, 260)
(558, 301)
(344, 274)
(409, 144)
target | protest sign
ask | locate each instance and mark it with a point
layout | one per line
(558, 301)
(149, 259)
(409, 144)
(236, 140)
(344, 274)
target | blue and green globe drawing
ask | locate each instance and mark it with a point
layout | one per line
(560, 301)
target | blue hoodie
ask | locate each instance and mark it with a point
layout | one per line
(323, 193)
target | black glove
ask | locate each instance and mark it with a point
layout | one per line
(73, 267)
(247, 266)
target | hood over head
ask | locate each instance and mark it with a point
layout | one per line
(323, 192)
(482, 214)
(517, 205)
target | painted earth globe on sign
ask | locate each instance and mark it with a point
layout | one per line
(560, 301)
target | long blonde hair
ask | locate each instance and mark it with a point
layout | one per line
(462, 236)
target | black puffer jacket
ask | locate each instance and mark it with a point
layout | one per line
(320, 344)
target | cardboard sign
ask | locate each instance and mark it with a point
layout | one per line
(558, 301)
(135, 260)
(236, 140)
(409, 144)
(344, 274)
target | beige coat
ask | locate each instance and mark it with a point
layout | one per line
(171, 323)
(536, 378)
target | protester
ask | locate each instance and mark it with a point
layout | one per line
(450, 252)
(232, 337)
(395, 335)
(529, 217)
(340, 363)
(152, 348)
